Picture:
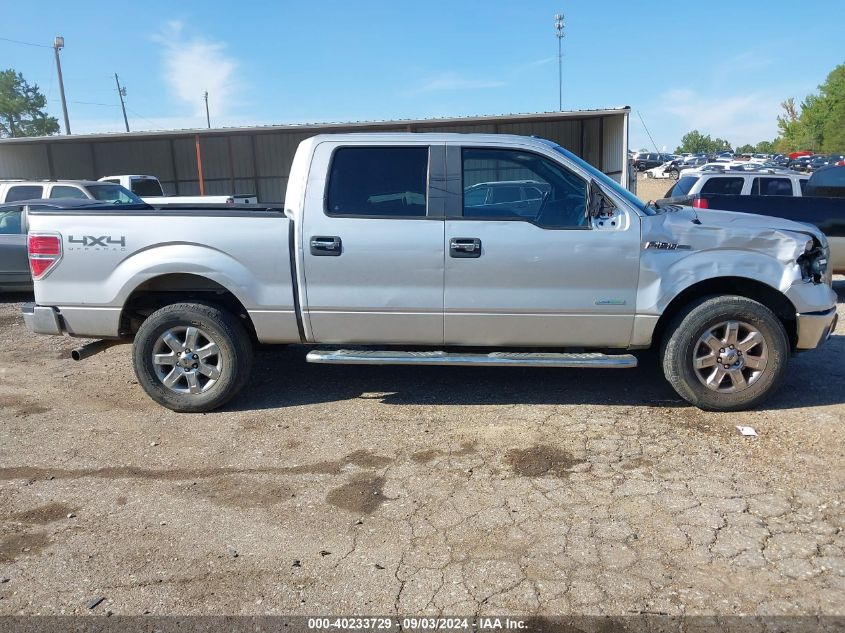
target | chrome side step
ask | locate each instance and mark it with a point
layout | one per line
(493, 359)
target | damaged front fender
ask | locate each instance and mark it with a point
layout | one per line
(681, 249)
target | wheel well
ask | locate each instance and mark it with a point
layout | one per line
(773, 299)
(165, 290)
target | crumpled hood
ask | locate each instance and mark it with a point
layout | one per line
(731, 230)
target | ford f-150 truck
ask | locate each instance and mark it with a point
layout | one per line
(383, 244)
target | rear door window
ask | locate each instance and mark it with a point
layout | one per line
(63, 191)
(24, 192)
(378, 182)
(146, 187)
(771, 187)
(723, 186)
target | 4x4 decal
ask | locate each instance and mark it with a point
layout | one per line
(103, 242)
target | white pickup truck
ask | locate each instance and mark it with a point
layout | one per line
(149, 189)
(436, 249)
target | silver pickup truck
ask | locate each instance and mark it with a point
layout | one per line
(436, 249)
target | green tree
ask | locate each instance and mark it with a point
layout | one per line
(746, 149)
(793, 132)
(831, 111)
(819, 122)
(697, 143)
(22, 108)
(765, 147)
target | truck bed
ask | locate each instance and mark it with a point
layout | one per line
(243, 250)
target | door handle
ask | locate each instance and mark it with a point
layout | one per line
(463, 247)
(326, 246)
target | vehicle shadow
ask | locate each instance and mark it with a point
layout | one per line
(16, 297)
(282, 378)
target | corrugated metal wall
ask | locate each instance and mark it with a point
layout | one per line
(257, 161)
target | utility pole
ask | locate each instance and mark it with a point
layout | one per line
(559, 26)
(59, 44)
(207, 117)
(121, 92)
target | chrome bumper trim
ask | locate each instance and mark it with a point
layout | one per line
(815, 328)
(41, 319)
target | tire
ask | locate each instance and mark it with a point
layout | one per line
(675, 174)
(641, 167)
(203, 378)
(739, 377)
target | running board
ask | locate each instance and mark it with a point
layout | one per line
(493, 359)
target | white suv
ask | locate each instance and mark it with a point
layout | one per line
(18, 190)
(738, 183)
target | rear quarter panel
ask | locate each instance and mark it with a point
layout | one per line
(247, 254)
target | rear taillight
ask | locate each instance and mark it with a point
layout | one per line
(700, 203)
(45, 251)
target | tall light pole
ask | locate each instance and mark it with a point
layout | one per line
(207, 117)
(559, 26)
(59, 44)
(121, 92)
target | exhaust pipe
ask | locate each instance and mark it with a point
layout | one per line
(90, 349)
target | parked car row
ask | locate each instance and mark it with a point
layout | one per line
(646, 160)
(816, 162)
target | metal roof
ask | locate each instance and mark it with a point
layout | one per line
(295, 127)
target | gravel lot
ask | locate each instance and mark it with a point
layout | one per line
(653, 188)
(365, 490)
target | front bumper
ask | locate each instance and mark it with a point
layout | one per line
(815, 327)
(41, 319)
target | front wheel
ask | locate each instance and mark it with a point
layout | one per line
(725, 353)
(675, 174)
(192, 357)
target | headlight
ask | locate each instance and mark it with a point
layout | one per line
(814, 263)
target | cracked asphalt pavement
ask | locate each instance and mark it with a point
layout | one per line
(382, 490)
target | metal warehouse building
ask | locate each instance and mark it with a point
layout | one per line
(256, 160)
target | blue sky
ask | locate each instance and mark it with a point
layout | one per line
(720, 67)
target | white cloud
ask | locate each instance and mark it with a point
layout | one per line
(536, 63)
(740, 118)
(454, 81)
(193, 65)
(734, 98)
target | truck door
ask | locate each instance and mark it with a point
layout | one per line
(372, 243)
(535, 272)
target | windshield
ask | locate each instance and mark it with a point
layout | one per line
(607, 182)
(682, 187)
(114, 194)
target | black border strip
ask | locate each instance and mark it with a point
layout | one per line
(294, 280)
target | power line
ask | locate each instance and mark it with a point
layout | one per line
(157, 125)
(6, 39)
(105, 105)
(647, 132)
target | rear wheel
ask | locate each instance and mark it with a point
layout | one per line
(725, 353)
(192, 357)
(675, 174)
